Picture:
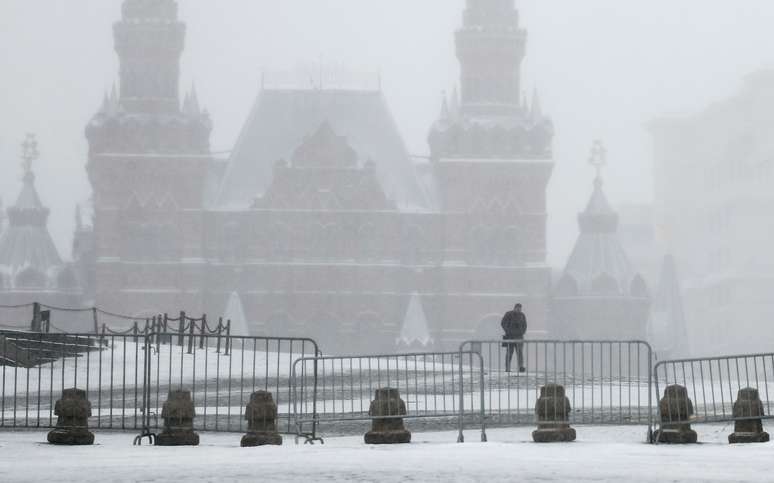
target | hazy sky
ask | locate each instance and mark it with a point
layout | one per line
(603, 68)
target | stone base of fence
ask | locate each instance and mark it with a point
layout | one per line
(736, 438)
(72, 437)
(72, 427)
(683, 434)
(389, 429)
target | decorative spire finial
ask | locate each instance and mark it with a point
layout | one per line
(537, 109)
(29, 154)
(598, 159)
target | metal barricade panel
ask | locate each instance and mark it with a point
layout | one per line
(221, 373)
(38, 367)
(440, 389)
(606, 382)
(713, 385)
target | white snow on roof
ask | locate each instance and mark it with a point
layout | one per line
(236, 314)
(415, 327)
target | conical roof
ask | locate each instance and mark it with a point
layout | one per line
(598, 264)
(26, 242)
(415, 328)
(235, 312)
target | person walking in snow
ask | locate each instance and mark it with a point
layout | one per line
(514, 324)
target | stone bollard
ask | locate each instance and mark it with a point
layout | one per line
(675, 409)
(178, 414)
(72, 424)
(387, 402)
(553, 416)
(748, 405)
(261, 416)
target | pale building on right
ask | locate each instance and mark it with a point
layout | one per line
(714, 174)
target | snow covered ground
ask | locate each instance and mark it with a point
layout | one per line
(600, 454)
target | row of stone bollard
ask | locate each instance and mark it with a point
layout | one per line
(676, 412)
(552, 410)
(387, 411)
(74, 409)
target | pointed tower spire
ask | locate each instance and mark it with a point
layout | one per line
(444, 116)
(105, 107)
(29, 154)
(193, 99)
(113, 102)
(26, 241)
(415, 330)
(454, 105)
(599, 280)
(537, 109)
(598, 159)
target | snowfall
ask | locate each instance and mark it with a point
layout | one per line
(600, 454)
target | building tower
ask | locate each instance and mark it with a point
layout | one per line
(493, 159)
(148, 160)
(600, 295)
(491, 47)
(31, 269)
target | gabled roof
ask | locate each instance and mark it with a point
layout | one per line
(282, 119)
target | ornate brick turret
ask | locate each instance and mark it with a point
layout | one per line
(600, 294)
(491, 47)
(492, 158)
(148, 161)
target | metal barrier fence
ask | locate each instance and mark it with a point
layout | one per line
(108, 368)
(128, 377)
(434, 385)
(221, 374)
(606, 382)
(713, 384)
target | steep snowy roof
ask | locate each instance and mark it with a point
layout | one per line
(415, 327)
(598, 263)
(281, 119)
(235, 313)
(26, 243)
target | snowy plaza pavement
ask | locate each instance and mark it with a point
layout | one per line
(601, 454)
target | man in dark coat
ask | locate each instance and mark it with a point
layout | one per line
(515, 326)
